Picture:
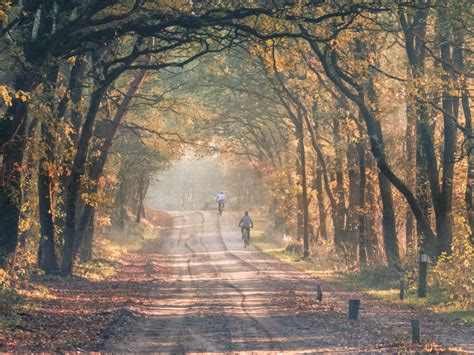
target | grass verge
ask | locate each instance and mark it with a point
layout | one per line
(381, 283)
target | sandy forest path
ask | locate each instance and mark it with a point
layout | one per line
(216, 296)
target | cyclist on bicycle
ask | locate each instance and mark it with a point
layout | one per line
(220, 200)
(246, 223)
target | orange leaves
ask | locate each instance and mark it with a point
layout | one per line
(4, 6)
(5, 94)
(22, 95)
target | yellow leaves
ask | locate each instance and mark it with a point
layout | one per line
(454, 273)
(22, 95)
(103, 221)
(5, 95)
(4, 6)
(3, 17)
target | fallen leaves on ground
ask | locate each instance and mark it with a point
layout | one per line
(75, 313)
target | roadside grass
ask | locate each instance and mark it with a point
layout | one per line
(111, 244)
(379, 282)
(382, 283)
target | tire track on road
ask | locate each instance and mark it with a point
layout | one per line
(212, 284)
(242, 294)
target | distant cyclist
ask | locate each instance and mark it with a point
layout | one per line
(220, 202)
(246, 223)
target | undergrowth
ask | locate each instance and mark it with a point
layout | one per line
(23, 288)
(450, 283)
(8, 299)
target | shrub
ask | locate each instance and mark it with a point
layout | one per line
(8, 296)
(295, 248)
(454, 274)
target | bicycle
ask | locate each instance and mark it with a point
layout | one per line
(220, 209)
(246, 237)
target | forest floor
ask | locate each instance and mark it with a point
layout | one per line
(196, 288)
(378, 281)
(71, 314)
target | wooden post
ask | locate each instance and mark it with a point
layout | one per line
(415, 331)
(354, 309)
(423, 273)
(319, 293)
(402, 285)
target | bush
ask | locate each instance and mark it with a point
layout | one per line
(8, 296)
(295, 248)
(454, 274)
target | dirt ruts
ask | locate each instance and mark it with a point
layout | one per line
(217, 296)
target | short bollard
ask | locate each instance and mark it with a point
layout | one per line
(415, 331)
(423, 273)
(402, 285)
(319, 293)
(354, 309)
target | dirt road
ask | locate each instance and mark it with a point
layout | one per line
(217, 296)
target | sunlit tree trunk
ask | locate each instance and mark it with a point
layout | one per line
(388, 214)
(372, 234)
(339, 215)
(320, 198)
(414, 28)
(444, 222)
(361, 206)
(353, 199)
(389, 228)
(75, 91)
(299, 197)
(468, 198)
(304, 187)
(74, 184)
(410, 145)
(107, 135)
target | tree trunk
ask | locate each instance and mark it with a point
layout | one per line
(388, 213)
(107, 135)
(372, 239)
(87, 243)
(340, 212)
(443, 216)
(444, 220)
(75, 91)
(361, 208)
(141, 196)
(389, 228)
(323, 175)
(353, 199)
(120, 201)
(74, 183)
(470, 161)
(76, 88)
(13, 131)
(414, 28)
(410, 143)
(299, 199)
(47, 260)
(304, 186)
(321, 210)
